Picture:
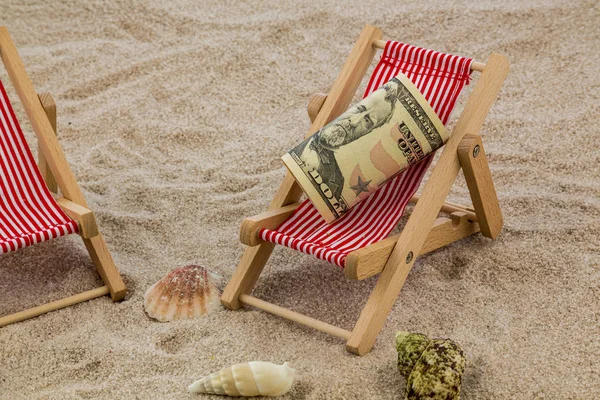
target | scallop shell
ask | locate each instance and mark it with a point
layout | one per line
(255, 378)
(433, 367)
(184, 293)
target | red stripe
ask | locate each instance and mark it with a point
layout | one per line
(28, 212)
(441, 78)
(19, 184)
(34, 176)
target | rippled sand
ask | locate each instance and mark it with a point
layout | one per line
(174, 117)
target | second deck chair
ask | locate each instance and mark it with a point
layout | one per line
(358, 242)
(29, 212)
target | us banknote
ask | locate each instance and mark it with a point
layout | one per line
(352, 156)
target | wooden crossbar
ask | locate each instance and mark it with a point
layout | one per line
(294, 316)
(449, 208)
(369, 261)
(475, 66)
(55, 305)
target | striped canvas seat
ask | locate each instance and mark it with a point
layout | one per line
(28, 212)
(441, 78)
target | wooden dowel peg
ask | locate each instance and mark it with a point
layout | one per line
(294, 316)
(55, 305)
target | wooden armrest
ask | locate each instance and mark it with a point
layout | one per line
(314, 105)
(269, 220)
(82, 215)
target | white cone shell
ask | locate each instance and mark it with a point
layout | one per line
(255, 378)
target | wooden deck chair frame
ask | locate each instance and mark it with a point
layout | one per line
(41, 111)
(394, 256)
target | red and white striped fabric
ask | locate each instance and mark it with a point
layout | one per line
(441, 78)
(28, 212)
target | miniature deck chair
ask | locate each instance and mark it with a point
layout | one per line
(358, 241)
(29, 213)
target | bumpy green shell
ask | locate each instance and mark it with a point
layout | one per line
(433, 368)
(410, 346)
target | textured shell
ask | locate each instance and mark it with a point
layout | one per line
(184, 293)
(410, 346)
(436, 366)
(255, 378)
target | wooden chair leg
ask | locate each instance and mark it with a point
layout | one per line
(94, 242)
(246, 274)
(254, 259)
(414, 234)
(481, 186)
(47, 140)
(49, 106)
(289, 192)
(106, 266)
(374, 314)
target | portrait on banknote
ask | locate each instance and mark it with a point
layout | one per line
(349, 158)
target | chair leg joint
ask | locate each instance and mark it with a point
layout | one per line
(82, 215)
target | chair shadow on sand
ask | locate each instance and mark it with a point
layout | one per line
(45, 272)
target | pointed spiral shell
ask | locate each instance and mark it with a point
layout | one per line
(255, 378)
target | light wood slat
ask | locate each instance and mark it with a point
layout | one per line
(267, 220)
(42, 127)
(475, 66)
(410, 241)
(449, 208)
(315, 104)
(55, 305)
(481, 186)
(96, 247)
(49, 106)
(294, 316)
(340, 96)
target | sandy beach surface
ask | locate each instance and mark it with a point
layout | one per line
(173, 116)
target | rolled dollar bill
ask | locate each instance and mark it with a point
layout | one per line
(352, 156)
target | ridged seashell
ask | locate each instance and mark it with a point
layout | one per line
(184, 293)
(433, 367)
(255, 378)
